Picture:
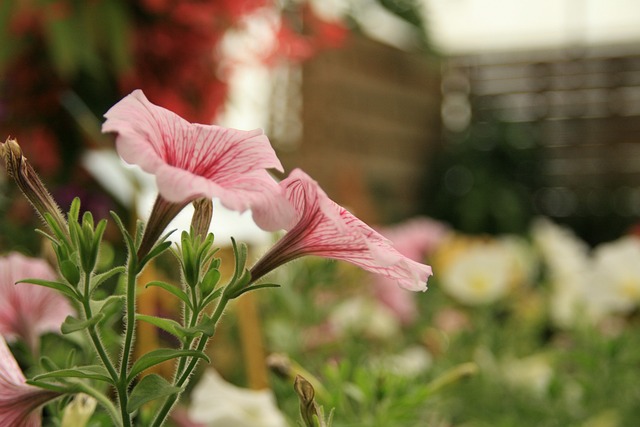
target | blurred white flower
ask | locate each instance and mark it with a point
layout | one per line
(569, 271)
(616, 276)
(479, 275)
(364, 316)
(217, 403)
(411, 362)
(533, 373)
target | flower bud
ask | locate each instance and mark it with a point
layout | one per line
(202, 215)
(25, 176)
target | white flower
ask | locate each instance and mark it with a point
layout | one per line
(479, 275)
(217, 403)
(410, 363)
(616, 285)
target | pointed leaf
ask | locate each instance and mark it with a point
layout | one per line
(212, 296)
(106, 307)
(161, 355)
(70, 272)
(209, 281)
(172, 289)
(98, 279)
(94, 372)
(59, 286)
(154, 252)
(131, 247)
(168, 325)
(255, 287)
(149, 388)
(71, 324)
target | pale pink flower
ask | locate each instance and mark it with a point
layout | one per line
(19, 402)
(321, 227)
(191, 160)
(26, 310)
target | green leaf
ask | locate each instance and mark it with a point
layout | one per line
(131, 247)
(168, 325)
(172, 289)
(64, 389)
(70, 272)
(107, 306)
(93, 372)
(155, 251)
(149, 388)
(59, 286)
(206, 327)
(54, 226)
(98, 279)
(71, 324)
(161, 355)
(74, 210)
(212, 296)
(209, 281)
(254, 288)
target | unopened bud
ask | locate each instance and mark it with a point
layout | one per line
(201, 220)
(34, 190)
(306, 395)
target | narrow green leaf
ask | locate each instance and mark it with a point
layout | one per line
(70, 272)
(212, 296)
(206, 327)
(59, 286)
(93, 372)
(161, 355)
(54, 226)
(48, 236)
(168, 325)
(98, 279)
(74, 210)
(71, 324)
(131, 247)
(255, 288)
(172, 289)
(209, 281)
(154, 252)
(64, 389)
(149, 388)
(107, 306)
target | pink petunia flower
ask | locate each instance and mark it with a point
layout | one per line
(26, 310)
(19, 402)
(323, 228)
(191, 160)
(414, 238)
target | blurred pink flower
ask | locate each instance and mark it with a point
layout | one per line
(19, 402)
(321, 227)
(191, 160)
(414, 238)
(26, 310)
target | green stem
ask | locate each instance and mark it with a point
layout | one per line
(128, 341)
(184, 377)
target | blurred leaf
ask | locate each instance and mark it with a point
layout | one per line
(150, 388)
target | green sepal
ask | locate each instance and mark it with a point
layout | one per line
(55, 227)
(212, 296)
(161, 246)
(70, 272)
(59, 286)
(173, 290)
(48, 364)
(255, 288)
(98, 279)
(74, 210)
(149, 388)
(131, 246)
(93, 372)
(160, 355)
(47, 236)
(168, 325)
(58, 388)
(209, 281)
(71, 324)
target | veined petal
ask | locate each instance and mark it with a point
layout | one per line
(192, 160)
(323, 228)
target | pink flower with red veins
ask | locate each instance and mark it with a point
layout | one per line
(191, 160)
(321, 227)
(26, 310)
(19, 402)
